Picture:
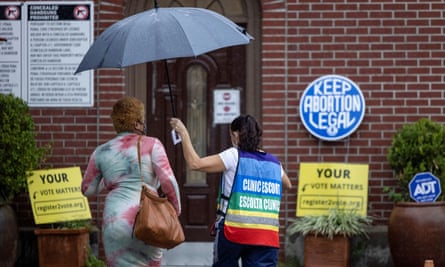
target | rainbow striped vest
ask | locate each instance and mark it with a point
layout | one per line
(252, 216)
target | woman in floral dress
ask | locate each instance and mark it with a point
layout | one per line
(115, 167)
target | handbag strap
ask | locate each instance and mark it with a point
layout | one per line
(221, 210)
(160, 192)
(142, 180)
(139, 159)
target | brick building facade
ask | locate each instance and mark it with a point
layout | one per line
(393, 50)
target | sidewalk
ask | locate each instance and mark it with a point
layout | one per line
(191, 254)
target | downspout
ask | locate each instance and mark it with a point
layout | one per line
(96, 85)
(286, 116)
(96, 77)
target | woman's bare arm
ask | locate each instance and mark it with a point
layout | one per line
(211, 163)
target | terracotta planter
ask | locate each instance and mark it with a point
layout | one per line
(62, 247)
(416, 232)
(321, 251)
(8, 236)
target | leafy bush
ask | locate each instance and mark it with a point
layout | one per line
(75, 224)
(417, 147)
(19, 152)
(336, 222)
(93, 261)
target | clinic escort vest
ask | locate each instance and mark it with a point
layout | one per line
(252, 216)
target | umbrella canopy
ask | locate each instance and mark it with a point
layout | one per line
(162, 33)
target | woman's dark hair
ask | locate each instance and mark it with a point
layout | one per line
(249, 132)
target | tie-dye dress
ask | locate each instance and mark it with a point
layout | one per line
(114, 165)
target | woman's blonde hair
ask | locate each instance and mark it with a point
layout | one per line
(126, 112)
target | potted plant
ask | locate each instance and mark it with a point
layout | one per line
(19, 154)
(65, 240)
(93, 260)
(416, 231)
(327, 237)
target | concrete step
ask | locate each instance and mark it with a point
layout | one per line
(192, 254)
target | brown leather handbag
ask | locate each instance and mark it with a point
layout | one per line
(156, 222)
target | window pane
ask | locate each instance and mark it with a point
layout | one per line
(197, 117)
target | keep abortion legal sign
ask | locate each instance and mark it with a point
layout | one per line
(332, 107)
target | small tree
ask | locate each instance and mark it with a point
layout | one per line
(19, 153)
(416, 147)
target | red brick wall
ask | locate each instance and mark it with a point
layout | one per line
(75, 132)
(393, 50)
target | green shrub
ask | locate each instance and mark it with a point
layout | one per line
(19, 153)
(336, 222)
(75, 224)
(417, 147)
(93, 261)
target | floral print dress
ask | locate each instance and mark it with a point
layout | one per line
(115, 167)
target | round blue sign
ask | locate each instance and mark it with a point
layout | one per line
(332, 107)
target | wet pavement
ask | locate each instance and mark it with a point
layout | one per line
(192, 254)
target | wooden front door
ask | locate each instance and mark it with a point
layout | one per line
(193, 81)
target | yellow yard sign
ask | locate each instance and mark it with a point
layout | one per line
(56, 196)
(323, 186)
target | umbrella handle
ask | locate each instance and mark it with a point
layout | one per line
(170, 88)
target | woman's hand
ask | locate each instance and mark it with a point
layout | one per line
(178, 126)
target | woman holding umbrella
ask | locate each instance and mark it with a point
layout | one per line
(251, 186)
(115, 166)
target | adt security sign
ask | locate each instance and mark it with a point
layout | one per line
(424, 187)
(332, 107)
